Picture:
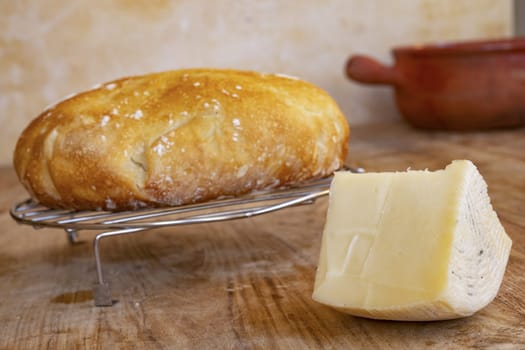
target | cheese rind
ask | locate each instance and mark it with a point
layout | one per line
(416, 245)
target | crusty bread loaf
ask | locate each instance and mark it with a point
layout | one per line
(180, 137)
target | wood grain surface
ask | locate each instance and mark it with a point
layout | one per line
(247, 284)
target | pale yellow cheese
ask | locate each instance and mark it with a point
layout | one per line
(415, 245)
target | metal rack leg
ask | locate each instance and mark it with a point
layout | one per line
(101, 290)
(72, 236)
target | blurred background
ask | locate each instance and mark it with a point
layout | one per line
(49, 49)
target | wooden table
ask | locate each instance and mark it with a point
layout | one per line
(247, 283)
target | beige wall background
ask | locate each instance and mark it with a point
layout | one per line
(51, 48)
(519, 17)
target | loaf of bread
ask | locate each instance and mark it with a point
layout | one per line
(180, 137)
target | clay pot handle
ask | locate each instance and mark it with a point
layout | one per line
(365, 69)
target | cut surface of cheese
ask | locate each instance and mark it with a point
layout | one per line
(415, 245)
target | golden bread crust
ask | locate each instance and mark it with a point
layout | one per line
(180, 137)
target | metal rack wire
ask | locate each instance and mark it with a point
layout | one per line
(119, 223)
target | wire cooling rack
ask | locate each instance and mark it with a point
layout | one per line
(120, 223)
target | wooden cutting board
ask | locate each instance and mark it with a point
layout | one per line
(247, 284)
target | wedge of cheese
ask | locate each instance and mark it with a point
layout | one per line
(415, 245)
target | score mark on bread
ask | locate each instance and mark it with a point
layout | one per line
(180, 137)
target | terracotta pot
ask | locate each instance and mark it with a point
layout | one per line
(457, 86)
